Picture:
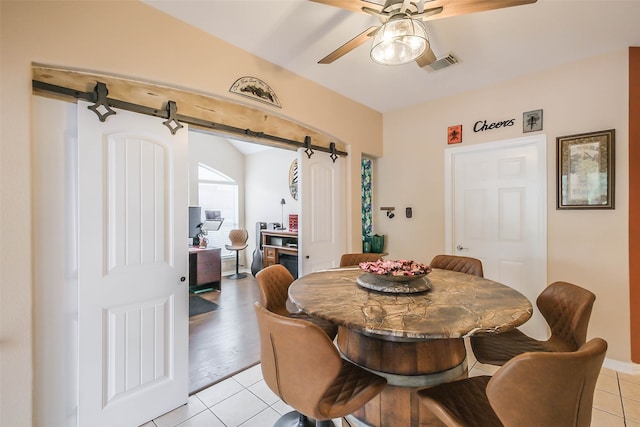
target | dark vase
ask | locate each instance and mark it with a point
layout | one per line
(377, 243)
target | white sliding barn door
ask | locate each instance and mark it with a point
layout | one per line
(322, 212)
(497, 213)
(132, 300)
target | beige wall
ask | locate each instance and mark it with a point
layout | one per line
(588, 248)
(129, 39)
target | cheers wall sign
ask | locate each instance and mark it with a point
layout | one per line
(482, 125)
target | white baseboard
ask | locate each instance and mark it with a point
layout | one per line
(625, 367)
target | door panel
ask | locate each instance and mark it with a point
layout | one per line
(322, 221)
(497, 205)
(133, 307)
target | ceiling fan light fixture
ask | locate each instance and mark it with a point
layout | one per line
(398, 41)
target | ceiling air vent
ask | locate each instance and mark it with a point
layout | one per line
(441, 63)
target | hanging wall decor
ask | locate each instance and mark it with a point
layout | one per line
(532, 121)
(586, 170)
(454, 134)
(254, 88)
(293, 179)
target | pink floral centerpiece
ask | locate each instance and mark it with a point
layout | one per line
(400, 270)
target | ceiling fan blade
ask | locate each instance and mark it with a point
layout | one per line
(349, 46)
(428, 57)
(428, 12)
(464, 7)
(352, 5)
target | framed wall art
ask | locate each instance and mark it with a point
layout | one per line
(532, 121)
(454, 134)
(586, 170)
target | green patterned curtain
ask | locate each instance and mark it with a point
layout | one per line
(367, 226)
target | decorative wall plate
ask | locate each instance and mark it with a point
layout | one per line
(254, 88)
(293, 179)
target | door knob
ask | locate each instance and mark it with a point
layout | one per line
(460, 247)
(182, 279)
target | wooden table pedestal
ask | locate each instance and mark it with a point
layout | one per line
(409, 366)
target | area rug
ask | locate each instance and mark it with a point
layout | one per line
(199, 305)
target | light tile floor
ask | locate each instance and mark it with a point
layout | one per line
(245, 400)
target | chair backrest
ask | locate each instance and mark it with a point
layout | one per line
(461, 264)
(274, 282)
(548, 389)
(298, 360)
(567, 310)
(351, 260)
(238, 237)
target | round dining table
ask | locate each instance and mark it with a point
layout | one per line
(415, 338)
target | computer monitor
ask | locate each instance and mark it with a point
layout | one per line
(195, 219)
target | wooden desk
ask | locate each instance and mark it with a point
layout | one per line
(204, 269)
(414, 340)
(276, 243)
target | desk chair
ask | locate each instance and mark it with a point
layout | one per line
(461, 264)
(302, 366)
(531, 390)
(274, 282)
(352, 260)
(238, 239)
(567, 310)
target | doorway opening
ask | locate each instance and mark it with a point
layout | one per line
(225, 340)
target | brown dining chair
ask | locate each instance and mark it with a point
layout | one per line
(302, 366)
(531, 390)
(273, 283)
(238, 239)
(352, 260)
(567, 310)
(461, 264)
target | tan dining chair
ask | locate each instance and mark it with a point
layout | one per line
(566, 309)
(461, 264)
(238, 238)
(352, 260)
(531, 390)
(302, 366)
(273, 283)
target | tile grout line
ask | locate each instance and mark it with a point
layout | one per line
(624, 416)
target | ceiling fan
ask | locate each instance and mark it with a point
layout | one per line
(401, 36)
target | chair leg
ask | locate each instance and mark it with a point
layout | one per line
(296, 419)
(237, 274)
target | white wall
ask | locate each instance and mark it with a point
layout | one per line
(216, 152)
(588, 248)
(267, 183)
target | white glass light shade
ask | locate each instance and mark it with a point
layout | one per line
(399, 41)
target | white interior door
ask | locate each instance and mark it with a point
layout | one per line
(497, 213)
(132, 300)
(322, 212)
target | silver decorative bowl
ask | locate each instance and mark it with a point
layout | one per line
(392, 278)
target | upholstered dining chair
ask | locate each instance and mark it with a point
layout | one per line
(531, 390)
(273, 283)
(566, 309)
(352, 260)
(461, 264)
(238, 238)
(302, 366)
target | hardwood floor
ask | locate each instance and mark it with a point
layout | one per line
(225, 341)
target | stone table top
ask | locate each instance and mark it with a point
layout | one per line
(456, 306)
